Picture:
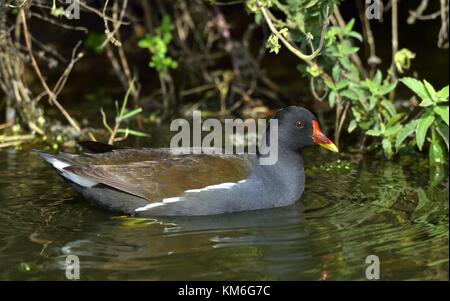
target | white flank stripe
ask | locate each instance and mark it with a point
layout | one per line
(179, 199)
(213, 187)
(149, 206)
(171, 200)
(164, 202)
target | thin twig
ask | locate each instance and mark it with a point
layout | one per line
(105, 122)
(108, 33)
(394, 11)
(58, 23)
(63, 78)
(369, 42)
(51, 94)
(312, 86)
(341, 122)
(416, 14)
(5, 126)
(443, 32)
(15, 138)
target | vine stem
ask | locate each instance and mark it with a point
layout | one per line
(288, 45)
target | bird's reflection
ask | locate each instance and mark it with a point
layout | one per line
(270, 242)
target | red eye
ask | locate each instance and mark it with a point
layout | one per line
(298, 124)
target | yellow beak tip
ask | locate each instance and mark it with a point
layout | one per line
(331, 147)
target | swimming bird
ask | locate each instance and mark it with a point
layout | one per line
(160, 182)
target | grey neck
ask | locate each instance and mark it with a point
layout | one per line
(286, 176)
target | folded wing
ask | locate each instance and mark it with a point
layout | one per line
(156, 174)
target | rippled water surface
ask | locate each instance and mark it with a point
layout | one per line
(352, 207)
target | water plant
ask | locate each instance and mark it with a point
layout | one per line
(364, 97)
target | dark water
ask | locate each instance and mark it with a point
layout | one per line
(352, 207)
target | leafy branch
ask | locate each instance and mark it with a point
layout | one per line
(122, 115)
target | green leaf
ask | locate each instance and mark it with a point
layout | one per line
(421, 131)
(436, 154)
(352, 126)
(431, 91)
(350, 25)
(442, 130)
(442, 94)
(372, 102)
(130, 114)
(300, 20)
(342, 84)
(426, 102)
(393, 130)
(349, 50)
(349, 94)
(405, 132)
(387, 89)
(387, 148)
(374, 132)
(389, 106)
(356, 114)
(330, 85)
(378, 78)
(416, 86)
(366, 125)
(127, 131)
(442, 112)
(355, 35)
(345, 62)
(308, 4)
(394, 119)
(125, 99)
(332, 99)
(145, 42)
(336, 72)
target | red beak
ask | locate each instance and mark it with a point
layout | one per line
(319, 138)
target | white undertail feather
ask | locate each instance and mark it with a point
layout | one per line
(60, 165)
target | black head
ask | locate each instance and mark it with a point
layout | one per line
(298, 128)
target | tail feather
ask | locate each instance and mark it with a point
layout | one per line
(100, 195)
(60, 163)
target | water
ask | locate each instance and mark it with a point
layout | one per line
(352, 207)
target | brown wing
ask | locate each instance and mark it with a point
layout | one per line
(157, 174)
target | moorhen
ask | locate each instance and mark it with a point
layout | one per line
(158, 182)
